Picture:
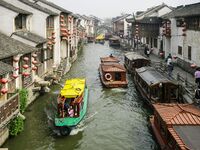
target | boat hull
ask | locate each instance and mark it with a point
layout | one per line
(112, 84)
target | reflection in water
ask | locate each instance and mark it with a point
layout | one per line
(117, 119)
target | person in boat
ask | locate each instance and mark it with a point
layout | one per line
(111, 55)
(61, 102)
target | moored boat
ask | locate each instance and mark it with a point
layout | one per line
(114, 41)
(155, 87)
(72, 105)
(176, 126)
(133, 60)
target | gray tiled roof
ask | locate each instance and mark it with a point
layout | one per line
(30, 36)
(5, 68)
(38, 7)
(10, 47)
(54, 5)
(185, 11)
(153, 9)
(120, 17)
(13, 8)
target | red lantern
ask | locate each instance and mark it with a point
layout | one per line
(34, 68)
(26, 74)
(175, 57)
(26, 58)
(193, 65)
(49, 43)
(34, 62)
(16, 68)
(15, 76)
(161, 53)
(4, 80)
(4, 90)
(25, 66)
(16, 59)
(34, 55)
(61, 16)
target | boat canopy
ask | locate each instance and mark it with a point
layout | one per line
(100, 37)
(73, 88)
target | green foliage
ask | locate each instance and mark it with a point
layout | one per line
(23, 96)
(16, 126)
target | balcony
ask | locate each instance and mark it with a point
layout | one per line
(9, 109)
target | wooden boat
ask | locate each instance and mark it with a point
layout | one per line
(72, 105)
(109, 59)
(112, 73)
(133, 60)
(176, 126)
(100, 39)
(155, 87)
(114, 41)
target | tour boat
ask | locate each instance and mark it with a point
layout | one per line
(176, 126)
(72, 105)
(155, 87)
(133, 60)
(112, 73)
(114, 41)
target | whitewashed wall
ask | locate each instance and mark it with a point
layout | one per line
(38, 19)
(7, 18)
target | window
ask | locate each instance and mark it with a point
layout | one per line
(179, 22)
(179, 50)
(50, 22)
(155, 43)
(147, 40)
(20, 22)
(193, 23)
(189, 52)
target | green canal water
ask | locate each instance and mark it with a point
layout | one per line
(117, 119)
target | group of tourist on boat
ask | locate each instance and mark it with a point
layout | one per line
(71, 105)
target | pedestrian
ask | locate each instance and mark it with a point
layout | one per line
(197, 76)
(197, 95)
(169, 59)
(146, 50)
(170, 69)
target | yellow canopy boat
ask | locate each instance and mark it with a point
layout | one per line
(100, 37)
(73, 88)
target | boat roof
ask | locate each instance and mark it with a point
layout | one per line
(109, 59)
(73, 88)
(113, 67)
(151, 76)
(183, 121)
(100, 37)
(134, 55)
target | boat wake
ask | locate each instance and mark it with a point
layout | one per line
(118, 90)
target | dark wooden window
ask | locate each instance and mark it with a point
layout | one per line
(179, 22)
(49, 54)
(193, 23)
(179, 50)
(155, 43)
(147, 40)
(50, 22)
(189, 52)
(20, 22)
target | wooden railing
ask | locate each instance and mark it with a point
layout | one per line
(188, 86)
(9, 109)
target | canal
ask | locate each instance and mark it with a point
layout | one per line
(117, 119)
